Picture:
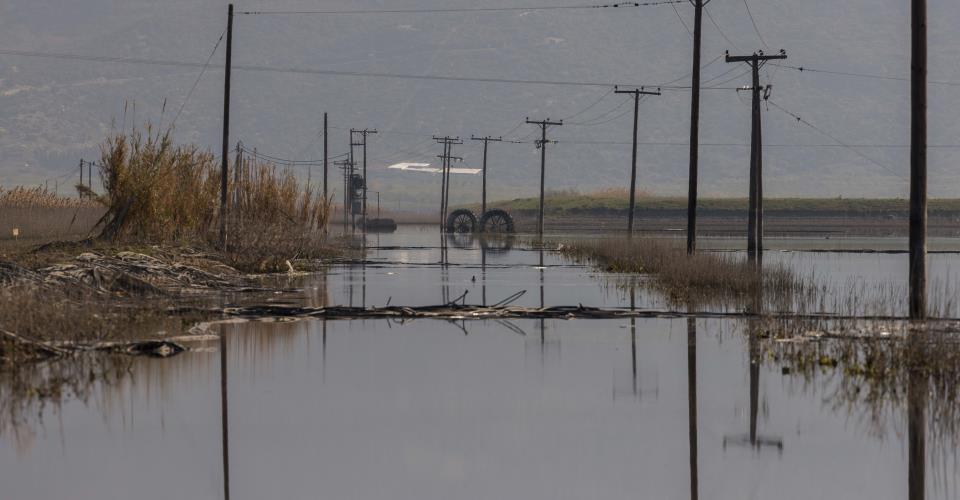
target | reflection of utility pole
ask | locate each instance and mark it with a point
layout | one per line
(755, 211)
(483, 272)
(543, 328)
(692, 405)
(753, 439)
(917, 435)
(224, 420)
(542, 146)
(486, 144)
(637, 95)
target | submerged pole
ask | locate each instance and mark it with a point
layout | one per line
(918, 163)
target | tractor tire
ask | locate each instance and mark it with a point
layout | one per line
(461, 221)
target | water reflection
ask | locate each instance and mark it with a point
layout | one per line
(917, 392)
(692, 406)
(224, 414)
(419, 411)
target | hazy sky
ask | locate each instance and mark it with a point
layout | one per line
(54, 111)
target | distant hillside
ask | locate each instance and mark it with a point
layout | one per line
(55, 111)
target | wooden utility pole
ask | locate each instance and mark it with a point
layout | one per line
(486, 143)
(326, 158)
(542, 145)
(755, 213)
(918, 162)
(226, 130)
(346, 166)
(81, 172)
(363, 143)
(694, 127)
(637, 94)
(448, 143)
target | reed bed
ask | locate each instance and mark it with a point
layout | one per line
(878, 377)
(40, 197)
(30, 216)
(692, 281)
(161, 193)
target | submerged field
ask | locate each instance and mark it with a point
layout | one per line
(543, 408)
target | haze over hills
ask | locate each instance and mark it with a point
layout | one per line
(55, 111)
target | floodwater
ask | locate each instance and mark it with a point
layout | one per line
(532, 409)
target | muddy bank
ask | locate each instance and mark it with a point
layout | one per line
(68, 298)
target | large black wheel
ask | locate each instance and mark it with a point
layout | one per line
(496, 221)
(461, 221)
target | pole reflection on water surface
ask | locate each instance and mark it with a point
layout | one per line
(483, 272)
(633, 338)
(753, 439)
(692, 405)
(916, 435)
(224, 427)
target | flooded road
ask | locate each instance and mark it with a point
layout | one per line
(533, 409)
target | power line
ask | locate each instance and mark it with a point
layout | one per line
(310, 71)
(754, 22)
(466, 9)
(684, 23)
(741, 144)
(689, 73)
(588, 108)
(838, 141)
(603, 115)
(807, 69)
(286, 161)
(715, 25)
(197, 81)
(595, 122)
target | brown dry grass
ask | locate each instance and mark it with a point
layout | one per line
(161, 193)
(41, 216)
(695, 280)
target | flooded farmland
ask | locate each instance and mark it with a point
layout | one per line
(660, 407)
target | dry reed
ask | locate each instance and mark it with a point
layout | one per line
(702, 279)
(158, 192)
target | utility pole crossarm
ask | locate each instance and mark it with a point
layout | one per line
(637, 91)
(759, 57)
(545, 123)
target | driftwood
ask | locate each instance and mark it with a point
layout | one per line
(13, 346)
(475, 312)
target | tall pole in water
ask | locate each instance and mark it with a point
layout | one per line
(918, 162)
(694, 128)
(326, 158)
(486, 143)
(637, 94)
(226, 130)
(542, 144)
(755, 213)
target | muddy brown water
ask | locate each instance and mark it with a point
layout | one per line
(650, 408)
